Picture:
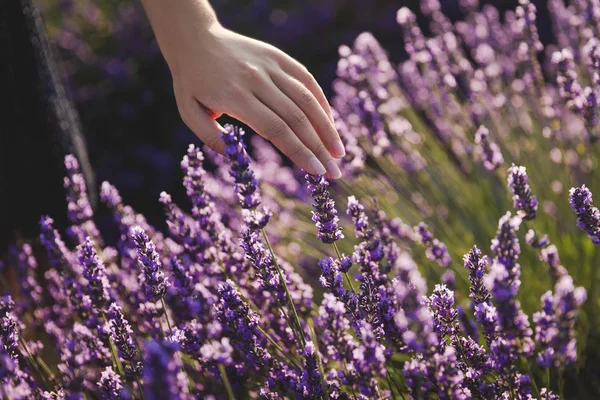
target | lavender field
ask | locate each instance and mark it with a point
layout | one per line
(455, 259)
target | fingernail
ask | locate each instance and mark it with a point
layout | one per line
(333, 170)
(338, 149)
(316, 166)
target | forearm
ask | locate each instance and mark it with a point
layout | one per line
(170, 20)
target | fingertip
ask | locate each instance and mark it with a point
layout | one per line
(333, 171)
(337, 149)
(316, 167)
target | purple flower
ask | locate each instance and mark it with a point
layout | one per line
(155, 283)
(555, 329)
(487, 317)
(324, 214)
(180, 225)
(550, 256)
(79, 208)
(506, 245)
(532, 239)
(121, 335)
(487, 151)
(164, 378)
(445, 316)
(435, 250)
(524, 200)
(26, 267)
(110, 386)
(476, 263)
(503, 282)
(360, 220)
(588, 216)
(332, 280)
(309, 387)
(413, 317)
(9, 327)
(439, 374)
(80, 349)
(58, 254)
(246, 184)
(240, 324)
(336, 341)
(219, 352)
(95, 273)
(263, 264)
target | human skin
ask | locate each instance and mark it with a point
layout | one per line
(216, 71)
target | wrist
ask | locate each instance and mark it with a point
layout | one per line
(179, 23)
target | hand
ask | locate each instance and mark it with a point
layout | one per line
(217, 71)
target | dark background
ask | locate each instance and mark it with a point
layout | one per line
(122, 89)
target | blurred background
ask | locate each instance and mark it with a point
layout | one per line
(122, 88)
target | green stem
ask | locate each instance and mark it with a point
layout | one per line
(348, 375)
(561, 384)
(548, 378)
(389, 381)
(162, 328)
(113, 352)
(287, 291)
(274, 343)
(230, 394)
(33, 362)
(139, 385)
(533, 384)
(339, 256)
(313, 337)
(162, 300)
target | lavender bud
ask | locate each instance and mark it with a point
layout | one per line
(95, 273)
(246, 184)
(164, 378)
(487, 151)
(155, 282)
(523, 199)
(324, 214)
(588, 216)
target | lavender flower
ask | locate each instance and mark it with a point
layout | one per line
(413, 318)
(78, 205)
(488, 151)
(336, 341)
(588, 216)
(121, 335)
(555, 329)
(95, 273)
(155, 283)
(9, 325)
(263, 265)
(506, 245)
(58, 254)
(550, 256)
(436, 250)
(361, 221)
(524, 200)
(533, 239)
(309, 386)
(241, 325)
(445, 316)
(503, 282)
(110, 386)
(163, 372)
(324, 214)
(332, 280)
(246, 185)
(476, 263)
